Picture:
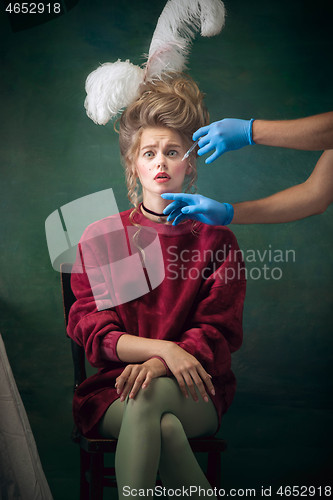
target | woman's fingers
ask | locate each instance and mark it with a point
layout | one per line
(147, 380)
(135, 377)
(130, 381)
(195, 377)
(200, 385)
(121, 380)
(126, 387)
(181, 383)
(190, 384)
(137, 384)
(207, 379)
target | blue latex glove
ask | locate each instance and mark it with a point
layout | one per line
(197, 207)
(223, 136)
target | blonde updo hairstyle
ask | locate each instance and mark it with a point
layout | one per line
(174, 102)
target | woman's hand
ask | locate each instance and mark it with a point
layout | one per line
(138, 376)
(188, 372)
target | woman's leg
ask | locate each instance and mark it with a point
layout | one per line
(153, 434)
(178, 466)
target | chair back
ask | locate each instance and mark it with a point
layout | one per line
(68, 298)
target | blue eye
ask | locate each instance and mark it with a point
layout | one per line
(148, 154)
(172, 152)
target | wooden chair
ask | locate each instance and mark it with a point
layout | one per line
(94, 476)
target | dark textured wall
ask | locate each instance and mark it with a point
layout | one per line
(274, 61)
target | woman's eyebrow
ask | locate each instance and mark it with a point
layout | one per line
(169, 145)
(148, 146)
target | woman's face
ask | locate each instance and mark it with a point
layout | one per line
(159, 164)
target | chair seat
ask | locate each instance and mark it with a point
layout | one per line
(103, 445)
(98, 445)
(208, 444)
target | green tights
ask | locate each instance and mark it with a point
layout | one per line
(152, 432)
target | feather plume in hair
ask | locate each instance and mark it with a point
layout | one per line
(176, 27)
(110, 88)
(113, 86)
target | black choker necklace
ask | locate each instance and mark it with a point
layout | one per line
(151, 212)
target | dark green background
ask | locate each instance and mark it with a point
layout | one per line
(273, 60)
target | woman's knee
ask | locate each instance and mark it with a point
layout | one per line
(146, 401)
(110, 423)
(172, 431)
(153, 399)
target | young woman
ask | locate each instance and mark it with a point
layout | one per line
(164, 358)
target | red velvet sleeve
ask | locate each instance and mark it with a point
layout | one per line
(215, 329)
(97, 330)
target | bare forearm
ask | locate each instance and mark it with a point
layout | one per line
(309, 198)
(278, 208)
(132, 349)
(313, 133)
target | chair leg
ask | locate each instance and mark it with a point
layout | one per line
(214, 469)
(96, 476)
(84, 468)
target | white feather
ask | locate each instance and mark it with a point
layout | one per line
(110, 88)
(113, 86)
(176, 27)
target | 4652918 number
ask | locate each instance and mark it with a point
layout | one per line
(33, 8)
(304, 491)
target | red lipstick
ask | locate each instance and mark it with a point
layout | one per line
(162, 177)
